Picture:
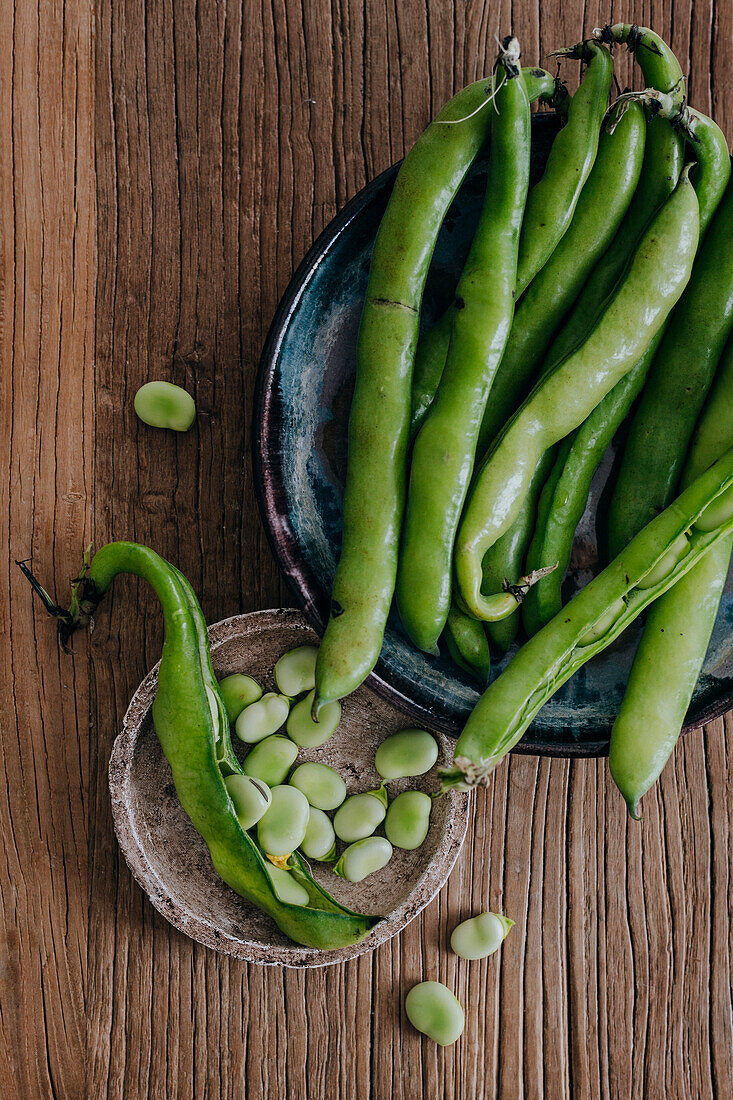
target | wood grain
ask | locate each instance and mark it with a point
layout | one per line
(164, 165)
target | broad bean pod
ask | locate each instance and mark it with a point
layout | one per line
(677, 630)
(589, 623)
(193, 728)
(432, 346)
(676, 387)
(561, 401)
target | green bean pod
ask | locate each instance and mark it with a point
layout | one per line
(663, 161)
(505, 559)
(552, 201)
(677, 630)
(376, 476)
(676, 387)
(562, 400)
(579, 234)
(443, 454)
(466, 642)
(193, 728)
(573, 472)
(594, 618)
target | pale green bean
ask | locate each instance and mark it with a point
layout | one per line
(238, 691)
(307, 733)
(251, 798)
(364, 858)
(262, 718)
(287, 888)
(319, 841)
(282, 828)
(480, 936)
(404, 754)
(322, 786)
(163, 405)
(432, 1009)
(271, 759)
(359, 816)
(295, 672)
(408, 819)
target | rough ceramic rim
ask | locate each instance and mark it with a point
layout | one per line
(185, 920)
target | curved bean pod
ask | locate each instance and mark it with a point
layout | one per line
(443, 454)
(678, 628)
(561, 401)
(552, 201)
(547, 660)
(676, 388)
(193, 728)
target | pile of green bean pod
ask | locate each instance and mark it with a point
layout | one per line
(621, 308)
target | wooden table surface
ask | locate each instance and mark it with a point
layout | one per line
(164, 165)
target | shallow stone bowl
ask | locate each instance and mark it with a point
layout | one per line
(171, 862)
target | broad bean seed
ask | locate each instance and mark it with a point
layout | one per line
(322, 786)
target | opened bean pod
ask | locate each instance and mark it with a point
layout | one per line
(193, 728)
(589, 623)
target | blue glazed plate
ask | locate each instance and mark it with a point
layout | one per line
(301, 414)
